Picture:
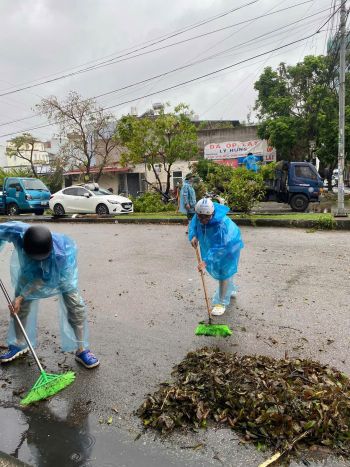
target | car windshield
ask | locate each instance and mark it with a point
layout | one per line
(34, 184)
(101, 192)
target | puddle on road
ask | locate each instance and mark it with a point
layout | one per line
(57, 435)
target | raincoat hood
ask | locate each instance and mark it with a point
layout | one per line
(220, 243)
(56, 274)
(220, 212)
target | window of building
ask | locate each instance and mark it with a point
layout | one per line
(177, 178)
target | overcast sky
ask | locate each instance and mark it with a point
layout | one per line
(45, 39)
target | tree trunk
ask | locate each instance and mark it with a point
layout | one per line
(33, 170)
(157, 178)
(168, 177)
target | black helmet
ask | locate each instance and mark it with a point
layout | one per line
(37, 242)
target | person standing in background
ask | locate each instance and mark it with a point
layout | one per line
(188, 197)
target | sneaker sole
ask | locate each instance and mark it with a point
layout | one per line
(17, 355)
(94, 365)
(213, 313)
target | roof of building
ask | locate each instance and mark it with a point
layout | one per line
(94, 170)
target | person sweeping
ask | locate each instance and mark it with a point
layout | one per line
(43, 265)
(220, 244)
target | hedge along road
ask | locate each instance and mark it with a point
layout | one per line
(323, 221)
(145, 300)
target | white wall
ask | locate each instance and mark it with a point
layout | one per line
(183, 166)
(3, 160)
(40, 156)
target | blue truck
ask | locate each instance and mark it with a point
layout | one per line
(23, 195)
(296, 184)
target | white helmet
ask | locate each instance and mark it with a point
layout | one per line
(205, 206)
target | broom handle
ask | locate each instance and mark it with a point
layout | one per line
(203, 282)
(21, 326)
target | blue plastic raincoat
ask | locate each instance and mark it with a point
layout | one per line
(56, 275)
(220, 243)
(187, 196)
(251, 163)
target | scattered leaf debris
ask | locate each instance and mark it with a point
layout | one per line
(277, 404)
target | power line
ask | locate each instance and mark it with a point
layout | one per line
(154, 41)
(129, 55)
(174, 70)
(191, 80)
(203, 59)
(199, 77)
(115, 59)
(176, 33)
(236, 31)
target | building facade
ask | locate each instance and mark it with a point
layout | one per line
(135, 179)
(37, 153)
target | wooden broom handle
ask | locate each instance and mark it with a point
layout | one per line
(203, 282)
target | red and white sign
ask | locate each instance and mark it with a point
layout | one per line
(235, 149)
(229, 162)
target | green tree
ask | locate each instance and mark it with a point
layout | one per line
(160, 139)
(24, 148)
(215, 176)
(298, 104)
(241, 188)
(245, 189)
(54, 179)
(13, 172)
(88, 128)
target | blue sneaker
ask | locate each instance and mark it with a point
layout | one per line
(87, 359)
(13, 352)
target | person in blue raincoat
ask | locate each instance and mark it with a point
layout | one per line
(220, 244)
(44, 264)
(251, 162)
(188, 197)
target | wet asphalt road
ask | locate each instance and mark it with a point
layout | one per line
(145, 300)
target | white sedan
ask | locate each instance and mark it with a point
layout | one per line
(89, 198)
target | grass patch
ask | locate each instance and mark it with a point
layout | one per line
(289, 216)
(308, 216)
(323, 221)
(153, 215)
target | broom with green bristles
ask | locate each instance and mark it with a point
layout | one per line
(48, 384)
(209, 329)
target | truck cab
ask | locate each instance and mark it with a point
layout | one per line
(23, 195)
(297, 184)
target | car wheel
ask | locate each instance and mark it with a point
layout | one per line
(102, 210)
(12, 209)
(58, 210)
(40, 212)
(299, 203)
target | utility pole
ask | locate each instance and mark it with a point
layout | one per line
(341, 141)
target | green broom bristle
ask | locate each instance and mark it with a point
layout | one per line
(48, 385)
(213, 330)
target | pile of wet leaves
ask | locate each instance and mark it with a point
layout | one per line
(273, 403)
